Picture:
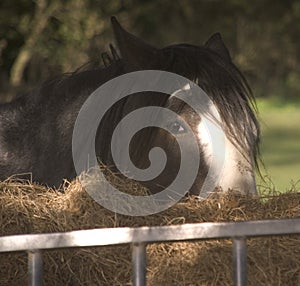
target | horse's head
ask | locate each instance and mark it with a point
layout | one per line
(210, 67)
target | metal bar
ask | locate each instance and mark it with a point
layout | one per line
(139, 263)
(240, 261)
(113, 236)
(35, 268)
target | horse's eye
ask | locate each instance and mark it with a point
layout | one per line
(176, 128)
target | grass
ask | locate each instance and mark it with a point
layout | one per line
(280, 148)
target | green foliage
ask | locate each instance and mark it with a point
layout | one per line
(279, 120)
(262, 34)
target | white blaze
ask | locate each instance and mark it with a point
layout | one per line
(236, 172)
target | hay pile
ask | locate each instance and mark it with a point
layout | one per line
(28, 208)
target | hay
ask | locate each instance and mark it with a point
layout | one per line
(29, 208)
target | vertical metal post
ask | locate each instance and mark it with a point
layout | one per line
(35, 268)
(139, 263)
(240, 261)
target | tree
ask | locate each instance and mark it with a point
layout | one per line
(40, 19)
(40, 38)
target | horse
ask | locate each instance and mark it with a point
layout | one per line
(36, 129)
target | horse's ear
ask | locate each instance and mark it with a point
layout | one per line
(133, 50)
(215, 43)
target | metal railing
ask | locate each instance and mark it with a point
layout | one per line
(141, 236)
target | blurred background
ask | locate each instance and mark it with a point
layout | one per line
(42, 38)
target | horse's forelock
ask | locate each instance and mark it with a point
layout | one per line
(227, 88)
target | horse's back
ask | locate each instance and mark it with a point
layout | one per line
(36, 128)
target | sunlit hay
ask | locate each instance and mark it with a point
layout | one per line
(29, 208)
(93, 182)
(120, 182)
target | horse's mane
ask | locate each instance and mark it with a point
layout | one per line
(222, 81)
(81, 82)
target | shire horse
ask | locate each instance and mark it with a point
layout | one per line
(36, 129)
